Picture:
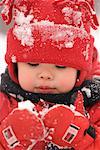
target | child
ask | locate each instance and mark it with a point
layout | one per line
(49, 97)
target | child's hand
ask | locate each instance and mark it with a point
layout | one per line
(21, 128)
(66, 126)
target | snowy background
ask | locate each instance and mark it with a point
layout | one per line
(4, 28)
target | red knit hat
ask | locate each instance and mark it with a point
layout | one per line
(51, 31)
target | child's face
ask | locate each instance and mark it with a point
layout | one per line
(46, 78)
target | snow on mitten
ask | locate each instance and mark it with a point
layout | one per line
(21, 128)
(66, 127)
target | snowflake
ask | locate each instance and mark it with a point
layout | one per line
(72, 16)
(13, 58)
(23, 29)
(87, 91)
(86, 52)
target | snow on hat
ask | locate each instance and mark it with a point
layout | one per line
(50, 31)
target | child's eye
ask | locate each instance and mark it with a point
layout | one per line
(33, 65)
(61, 67)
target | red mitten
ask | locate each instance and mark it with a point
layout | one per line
(21, 128)
(66, 126)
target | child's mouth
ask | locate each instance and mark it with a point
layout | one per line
(45, 89)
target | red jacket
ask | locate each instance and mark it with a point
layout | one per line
(6, 106)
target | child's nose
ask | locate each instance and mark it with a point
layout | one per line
(46, 75)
